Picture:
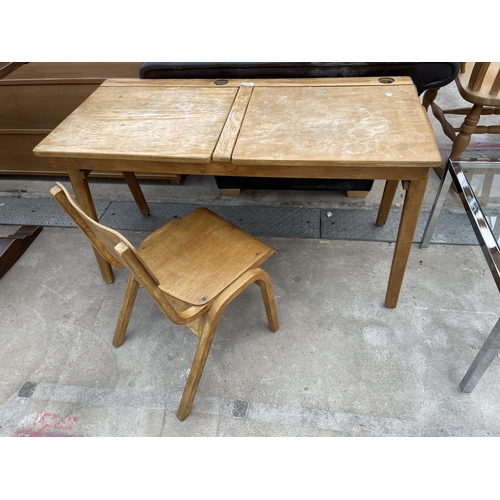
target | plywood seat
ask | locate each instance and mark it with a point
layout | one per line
(205, 254)
(191, 267)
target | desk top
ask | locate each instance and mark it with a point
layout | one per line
(322, 121)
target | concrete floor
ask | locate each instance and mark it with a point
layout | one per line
(342, 364)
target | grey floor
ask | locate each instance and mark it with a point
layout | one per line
(341, 364)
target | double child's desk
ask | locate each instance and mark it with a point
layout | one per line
(337, 128)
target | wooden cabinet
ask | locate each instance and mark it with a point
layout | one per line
(38, 96)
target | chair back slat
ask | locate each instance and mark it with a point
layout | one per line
(477, 76)
(495, 88)
(479, 83)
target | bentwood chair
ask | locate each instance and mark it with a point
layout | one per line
(191, 267)
(479, 84)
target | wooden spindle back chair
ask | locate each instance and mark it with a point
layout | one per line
(192, 267)
(479, 84)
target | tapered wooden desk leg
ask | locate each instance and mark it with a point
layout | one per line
(386, 202)
(136, 191)
(408, 224)
(80, 185)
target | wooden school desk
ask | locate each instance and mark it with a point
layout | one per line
(339, 128)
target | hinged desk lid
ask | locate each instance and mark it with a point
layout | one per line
(143, 123)
(383, 125)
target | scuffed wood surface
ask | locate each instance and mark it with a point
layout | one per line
(308, 122)
(172, 123)
(231, 130)
(376, 125)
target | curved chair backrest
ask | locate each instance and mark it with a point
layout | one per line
(118, 251)
(104, 239)
(480, 82)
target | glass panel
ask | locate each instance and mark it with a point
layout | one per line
(484, 179)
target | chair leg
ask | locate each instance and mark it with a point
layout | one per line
(126, 311)
(482, 361)
(211, 320)
(197, 367)
(429, 97)
(266, 288)
(466, 130)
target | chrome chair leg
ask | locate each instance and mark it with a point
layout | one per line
(485, 356)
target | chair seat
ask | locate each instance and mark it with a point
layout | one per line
(482, 95)
(199, 263)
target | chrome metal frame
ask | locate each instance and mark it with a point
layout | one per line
(489, 246)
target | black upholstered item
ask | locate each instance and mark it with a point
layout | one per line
(425, 75)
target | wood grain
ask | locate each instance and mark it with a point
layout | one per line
(35, 97)
(6, 68)
(200, 257)
(359, 171)
(66, 70)
(199, 263)
(182, 124)
(229, 135)
(41, 106)
(335, 126)
(409, 219)
(302, 128)
(261, 82)
(479, 90)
